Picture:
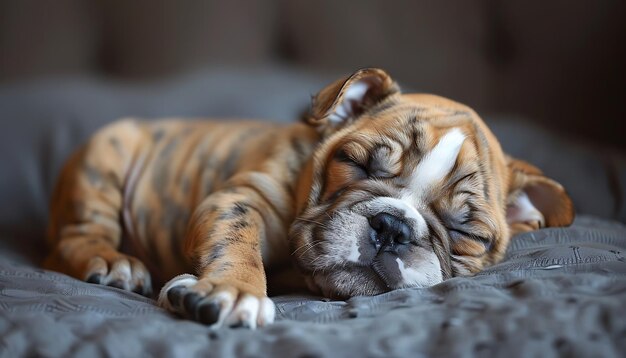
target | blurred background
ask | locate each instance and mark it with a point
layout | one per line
(556, 62)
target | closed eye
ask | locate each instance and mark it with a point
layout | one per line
(460, 237)
(462, 179)
(359, 169)
(363, 170)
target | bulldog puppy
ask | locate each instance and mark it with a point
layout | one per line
(378, 190)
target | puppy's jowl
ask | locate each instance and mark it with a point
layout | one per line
(378, 190)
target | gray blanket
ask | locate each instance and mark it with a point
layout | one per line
(559, 292)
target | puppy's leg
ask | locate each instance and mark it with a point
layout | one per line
(224, 240)
(84, 227)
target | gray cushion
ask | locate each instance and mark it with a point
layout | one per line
(559, 292)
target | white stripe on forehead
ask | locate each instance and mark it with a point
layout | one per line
(435, 165)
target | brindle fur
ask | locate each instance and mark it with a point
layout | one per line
(195, 196)
(218, 199)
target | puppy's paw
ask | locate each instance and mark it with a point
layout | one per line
(121, 271)
(216, 304)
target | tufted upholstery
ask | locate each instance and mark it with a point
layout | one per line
(555, 61)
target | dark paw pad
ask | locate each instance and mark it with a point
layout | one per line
(175, 295)
(194, 306)
(144, 291)
(190, 304)
(209, 312)
(95, 278)
(241, 324)
(117, 284)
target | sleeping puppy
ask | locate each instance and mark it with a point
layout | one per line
(378, 190)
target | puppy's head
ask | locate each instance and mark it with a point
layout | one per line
(408, 190)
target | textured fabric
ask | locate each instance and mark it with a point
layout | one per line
(559, 292)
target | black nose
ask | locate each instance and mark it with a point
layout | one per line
(389, 230)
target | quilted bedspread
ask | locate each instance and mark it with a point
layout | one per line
(559, 292)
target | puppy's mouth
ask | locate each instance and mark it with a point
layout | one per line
(372, 274)
(360, 252)
(348, 281)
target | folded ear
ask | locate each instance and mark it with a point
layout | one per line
(346, 99)
(534, 200)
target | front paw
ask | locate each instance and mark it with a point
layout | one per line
(120, 271)
(216, 304)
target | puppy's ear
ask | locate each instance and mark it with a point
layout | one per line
(346, 99)
(534, 200)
